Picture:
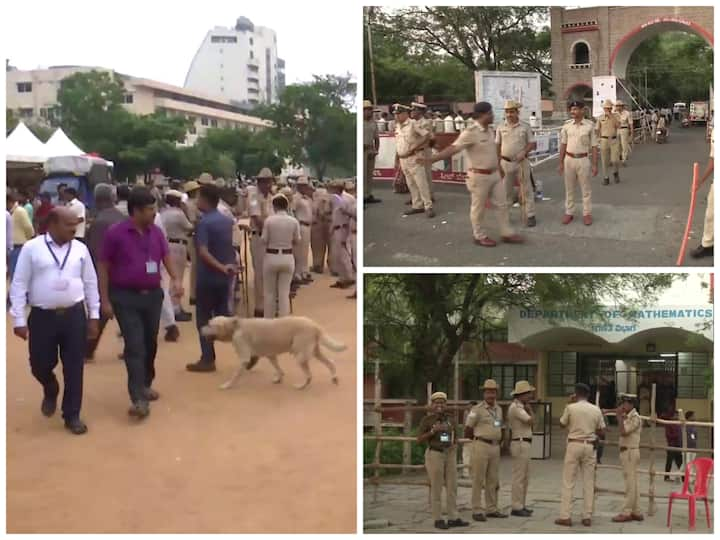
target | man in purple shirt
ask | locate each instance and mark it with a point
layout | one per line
(129, 275)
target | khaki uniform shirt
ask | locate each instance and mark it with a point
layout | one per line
(625, 118)
(407, 136)
(303, 209)
(426, 425)
(486, 421)
(280, 231)
(428, 125)
(518, 419)
(321, 206)
(513, 138)
(177, 225)
(370, 132)
(479, 145)
(608, 124)
(633, 427)
(582, 420)
(339, 216)
(192, 211)
(579, 138)
(258, 205)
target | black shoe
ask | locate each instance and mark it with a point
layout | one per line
(151, 395)
(497, 515)
(414, 211)
(606, 181)
(440, 524)
(531, 222)
(172, 333)
(252, 362)
(49, 402)
(201, 366)
(701, 251)
(528, 509)
(457, 523)
(76, 426)
(371, 200)
(183, 317)
(139, 409)
(479, 517)
(258, 314)
(617, 178)
(192, 301)
(521, 513)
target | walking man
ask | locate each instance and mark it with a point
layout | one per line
(577, 140)
(259, 210)
(630, 425)
(625, 132)
(484, 425)
(410, 140)
(320, 230)
(418, 114)
(56, 278)
(177, 228)
(608, 125)
(339, 251)
(584, 422)
(437, 430)
(130, 288)
(371, 144)
(520, 420)
(22, 230)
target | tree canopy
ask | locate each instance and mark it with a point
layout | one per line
(417, 323)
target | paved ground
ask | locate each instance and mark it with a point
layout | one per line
(639, 222)
(405, 509)
(256, 459)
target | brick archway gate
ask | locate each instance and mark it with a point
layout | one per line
(595, 41)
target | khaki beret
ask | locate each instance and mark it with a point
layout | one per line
(511, 104)
(367, 104)
(415, 105)
(489, 384)
(608, 104)
(191, 186)
(398, 108)
(265, 173)
(205, 178)
(173, 193)
(521, 387)
(620, 103)
(438, 395)
(622, 396)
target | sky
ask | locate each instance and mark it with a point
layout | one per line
(157, 39)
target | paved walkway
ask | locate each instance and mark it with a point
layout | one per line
(639, 222)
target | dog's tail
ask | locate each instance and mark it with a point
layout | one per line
(330, 343)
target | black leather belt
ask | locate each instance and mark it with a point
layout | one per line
(177, 241)
(583, 441)
(523, 439)
(611, 138)
(624, 127)
(488, 441)
(60, 310)
(279, 251)
(576, 155)
(623, 448)
(506, 158)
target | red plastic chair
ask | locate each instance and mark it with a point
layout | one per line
(703, 468)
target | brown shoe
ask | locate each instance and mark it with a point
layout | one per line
(563, 522)
(259, 313)
(513, 239)
(172, 333)
(586, 522)
(622, 518)
(567, 218)
(485, 242)
(587, 220)
(430, 213)
(413, 211)
(637, 517)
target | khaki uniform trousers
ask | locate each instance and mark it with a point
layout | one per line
(301, 251)
(520, 452)
(485, 471)
(630, 459)
(578, 456)
(708, 233)
(340, 255)
(427, 153)
(178, 258)
(192, 252)
(369, 161)
(577, 171)
(442, 471)
(624, 135)
(257, 252)
(417, 183)
(467, 459)
(319, 244)
(277, 273)
(482, 186)
(609, 156)
(521, 171)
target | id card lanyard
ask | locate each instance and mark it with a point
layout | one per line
(151, 267)
(60, 266)
(496, 423)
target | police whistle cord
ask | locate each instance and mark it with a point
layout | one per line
(693, 199)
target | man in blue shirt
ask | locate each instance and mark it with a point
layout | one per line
(216, 268)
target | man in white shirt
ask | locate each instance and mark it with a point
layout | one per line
(56, 277)
(78, 209)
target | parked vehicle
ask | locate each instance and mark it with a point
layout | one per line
(81, 173)
(698, 112)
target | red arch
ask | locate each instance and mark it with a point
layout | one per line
(586, 85)
(694, 26)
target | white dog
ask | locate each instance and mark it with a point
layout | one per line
(299, 336)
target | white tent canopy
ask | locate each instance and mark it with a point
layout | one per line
(22, 146)
(61, 145)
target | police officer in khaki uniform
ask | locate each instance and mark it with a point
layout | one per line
(350, 210)
(437, 430)
(578, 140)
(177, 228)
(259, 208)
(630, 425)
(484, 425)
(584, 422)
(483, 179)
(191, 211)
(303, 210)
(340, 224)
(608, 127)
(625, 132)
(410, 142)
(320, 230)
(419, 114)
(706, 247)
(520, 421)
(371, 145)
(515, 140)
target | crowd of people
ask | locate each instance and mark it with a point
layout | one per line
(76, 268)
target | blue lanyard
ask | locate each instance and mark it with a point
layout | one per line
(57, 261)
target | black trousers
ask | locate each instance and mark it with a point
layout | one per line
(92, 344)
(138, 315)
(673, 455)
(65, 332)
(212, 300)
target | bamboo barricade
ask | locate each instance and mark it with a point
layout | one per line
(376, 466)
(691, 212)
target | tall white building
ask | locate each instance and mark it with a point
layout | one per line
(240, 64)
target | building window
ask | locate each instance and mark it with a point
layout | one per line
(581, 53)
(252, 55)
(253, 91)
(24, 87)
(222, 89)
(223, 39)
(204, 121)
(192, 130)
(693, 370)
(561, 373)
(128, 98)
(26, 113)
(214, 123)
(251, 41)
(504, 374)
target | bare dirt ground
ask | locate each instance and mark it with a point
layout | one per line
(260, 458)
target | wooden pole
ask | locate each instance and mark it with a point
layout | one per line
(407, 431)
(653, 426)
(378, 428)
(370, 56)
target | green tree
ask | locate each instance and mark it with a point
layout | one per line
(417, 323)
(11, 121)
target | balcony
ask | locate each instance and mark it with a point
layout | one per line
(580, 66)
(253, 63)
